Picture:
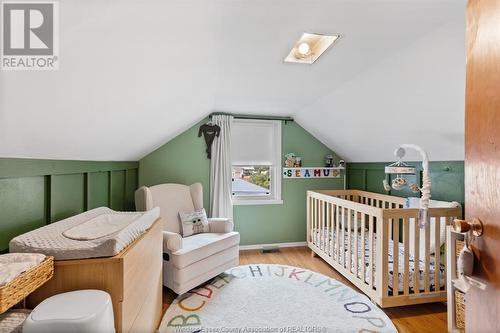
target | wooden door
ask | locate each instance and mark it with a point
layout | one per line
(482, 159)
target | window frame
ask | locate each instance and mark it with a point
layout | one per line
(275, 169)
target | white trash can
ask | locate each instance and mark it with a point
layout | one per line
(78, 311)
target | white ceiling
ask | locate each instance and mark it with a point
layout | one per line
(134, 74)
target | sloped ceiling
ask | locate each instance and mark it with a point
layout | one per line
(134, 74)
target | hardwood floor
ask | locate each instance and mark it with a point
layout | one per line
(417, 318)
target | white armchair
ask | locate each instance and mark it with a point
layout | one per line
(189, 261)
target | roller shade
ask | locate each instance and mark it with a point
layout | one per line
(254, 142)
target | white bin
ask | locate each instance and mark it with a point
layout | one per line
(79, 311)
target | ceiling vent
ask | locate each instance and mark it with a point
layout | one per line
(310, 47)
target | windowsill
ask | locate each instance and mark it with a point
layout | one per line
(257, 202)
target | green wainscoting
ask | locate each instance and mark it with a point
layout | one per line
(183, 160)
(447, 178)
(37, 192)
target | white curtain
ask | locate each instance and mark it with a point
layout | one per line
(220, 169)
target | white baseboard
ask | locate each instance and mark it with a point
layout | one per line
(279, 245)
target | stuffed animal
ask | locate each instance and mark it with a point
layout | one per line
(290, 160)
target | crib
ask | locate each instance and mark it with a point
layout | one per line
(376, 243)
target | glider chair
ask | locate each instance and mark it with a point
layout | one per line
(189, 261)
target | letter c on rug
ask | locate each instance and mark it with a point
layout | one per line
(183, 307)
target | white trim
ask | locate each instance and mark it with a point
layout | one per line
(257, 202)
(278, 245)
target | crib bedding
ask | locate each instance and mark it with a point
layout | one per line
(92, 242)
(325, 242)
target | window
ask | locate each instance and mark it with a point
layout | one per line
(256, 161)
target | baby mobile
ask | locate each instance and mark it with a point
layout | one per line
(400, 168)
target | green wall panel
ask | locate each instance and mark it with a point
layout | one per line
(131, 185)
(183, 160)
(22, 205)
(356, 178)
(36, 192)
(67, 196)
(98, 189)
(118, 190)
(374, 180)
(447, 178)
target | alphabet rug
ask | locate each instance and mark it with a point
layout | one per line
(274, 298)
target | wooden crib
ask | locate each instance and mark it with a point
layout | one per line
(350, 228)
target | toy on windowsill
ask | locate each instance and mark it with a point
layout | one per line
(329, 161)
(292, 161)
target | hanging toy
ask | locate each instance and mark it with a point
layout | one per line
(387, 187)
(398, 183)
(414, 188)
(400, 168)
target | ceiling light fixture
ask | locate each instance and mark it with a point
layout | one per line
(304, 49)
(310, 47)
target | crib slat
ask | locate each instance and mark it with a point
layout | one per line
(329, 228)
(395, 257)
(370, 247)
(437, 251)
(326, 247)
(318, 231)
(342, 253)
(324, 211)
(383, 262)
(318, 223)
(449, 221)
(337, 235)
(390, 231)
(330, 234)
(427, 256)
(363, 242)
(356, 233)
(349, 220)
(416, 258)
(322, 224)
(315, 219)
(308, 217)
(406, 245)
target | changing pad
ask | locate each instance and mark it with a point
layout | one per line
(100, 226)
(87, 238)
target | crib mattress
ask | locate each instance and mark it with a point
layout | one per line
(411, 261)
(50, 239)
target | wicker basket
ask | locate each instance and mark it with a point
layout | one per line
(460, 310)
(459, 245)
(16, 290)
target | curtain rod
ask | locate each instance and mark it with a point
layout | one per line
(249, 116)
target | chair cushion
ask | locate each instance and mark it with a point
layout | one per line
(172, 199)
(200, 246)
